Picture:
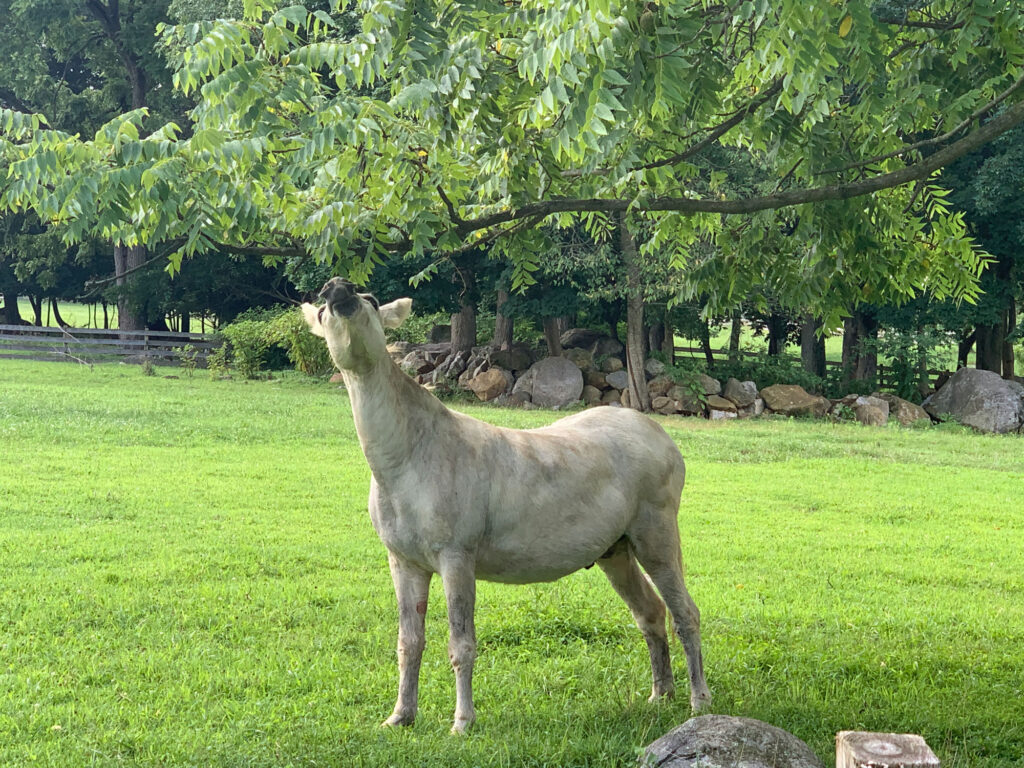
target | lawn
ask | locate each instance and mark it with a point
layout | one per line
(188, 577)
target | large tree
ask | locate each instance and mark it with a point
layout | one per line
(439, 127)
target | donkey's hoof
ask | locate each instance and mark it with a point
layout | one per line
(461, 725)
(661, 694)
(398, 718)
(700, 703)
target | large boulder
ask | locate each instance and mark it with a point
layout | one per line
(580, 337)
(591, 395)
(416, 362)
(794, 400)
(871, 411)
(743, 393)
(980, 399)
(581, 358)
(491, 383)
(711, 386)
(720, 741)
(653, 367)
(516, 358)
(904, 411)
(611, 365)
(557, 382)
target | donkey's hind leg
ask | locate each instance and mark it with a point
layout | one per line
(648, 611)
(657, 550)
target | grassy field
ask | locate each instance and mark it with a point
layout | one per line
(188, 577)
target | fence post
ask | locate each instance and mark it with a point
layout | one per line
(859, 749)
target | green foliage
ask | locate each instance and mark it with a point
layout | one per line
(147, 368)
(218, 361)
(307, 353)
(908, 355)
(188, 357)
(416, 328)
(767, 370)
(249, 341)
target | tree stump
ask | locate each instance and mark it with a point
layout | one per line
(858, 749)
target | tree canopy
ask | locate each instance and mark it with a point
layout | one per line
(431, 128)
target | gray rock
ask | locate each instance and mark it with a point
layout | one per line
(608, 346)
(557, 382)
(595, 379)
(581, 358)
(686, 401)
(523, 388)
(716, 415)
(664, 405)
(743, 393)
(583, 338)
(591, 395)
(980, 399)
(718, 403)
(440, 333)
(415, 363)
(719, 741)
(611, 365)
(618, 379)
(871, 411)
(516, 358)
(659, 385)
(654, 367)
(611, 396)
(711, 386)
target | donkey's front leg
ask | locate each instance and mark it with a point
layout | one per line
(411, 587)
(459, 580)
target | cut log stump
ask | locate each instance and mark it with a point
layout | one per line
(859, 749)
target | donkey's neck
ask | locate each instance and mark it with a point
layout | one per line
(393, 414)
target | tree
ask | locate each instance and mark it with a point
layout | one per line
(499, 118)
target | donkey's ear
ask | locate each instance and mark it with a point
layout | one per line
(312, 315)
(394, 314)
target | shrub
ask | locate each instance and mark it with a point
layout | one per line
(308, 353)
(217, 362)
(188, 356)
(249, 344)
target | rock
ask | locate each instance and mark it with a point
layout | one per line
(624, 398)
(491, 383)
(753, 410)
(904, 411)
(794, 400)
(557, 382)
(523, 388)
(516, 358)
(611, 365)
(581, 358)
(439, 333)
(720, 741)
(618, 379)
(595, 379)
(716, 415)
(659, 385)
(711, 386)
(871, 411)
(416, 363)
(686, 400)
(980, 399)
(718, 403)
(606, 345)
(743, 393)
(654, 367)
(661, 402)
(338, 378)
(591, 395)
(611, 396)
(583, 338)
(399, 349)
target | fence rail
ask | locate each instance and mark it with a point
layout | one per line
(885, 377)
(30, 342)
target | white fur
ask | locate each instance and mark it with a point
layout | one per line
(455, 496)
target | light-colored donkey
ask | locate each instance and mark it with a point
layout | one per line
(466, 500)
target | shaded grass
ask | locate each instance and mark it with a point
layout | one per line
(188, 577)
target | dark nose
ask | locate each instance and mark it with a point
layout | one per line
(336, 289)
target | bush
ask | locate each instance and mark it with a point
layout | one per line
(249, 342)
(275, 338)
(307, 353)
(767, 370)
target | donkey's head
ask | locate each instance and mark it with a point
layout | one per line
(353, 324)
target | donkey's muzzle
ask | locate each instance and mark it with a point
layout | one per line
(340, 296)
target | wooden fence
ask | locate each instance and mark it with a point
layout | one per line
(92, 345)
(884, 377)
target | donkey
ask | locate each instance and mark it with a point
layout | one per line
(466, 500)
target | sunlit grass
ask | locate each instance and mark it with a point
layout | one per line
(188, 577)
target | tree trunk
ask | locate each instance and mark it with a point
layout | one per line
(777, 327)
(812, 347)
(860, 360)
(614, 316)
(705, 344)
(964, 349)
(126, 261)
(668, 344)
(36, 302)
(639, 395)
(989, 352)
(185, 326)
(553, 336)
(56, 313)
(464, 329)
(503, 324)
(734, 335)
(656, 337)
(12, 316)
(106, 317)
(1009, 325)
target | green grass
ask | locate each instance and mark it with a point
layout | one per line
(188, 577)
